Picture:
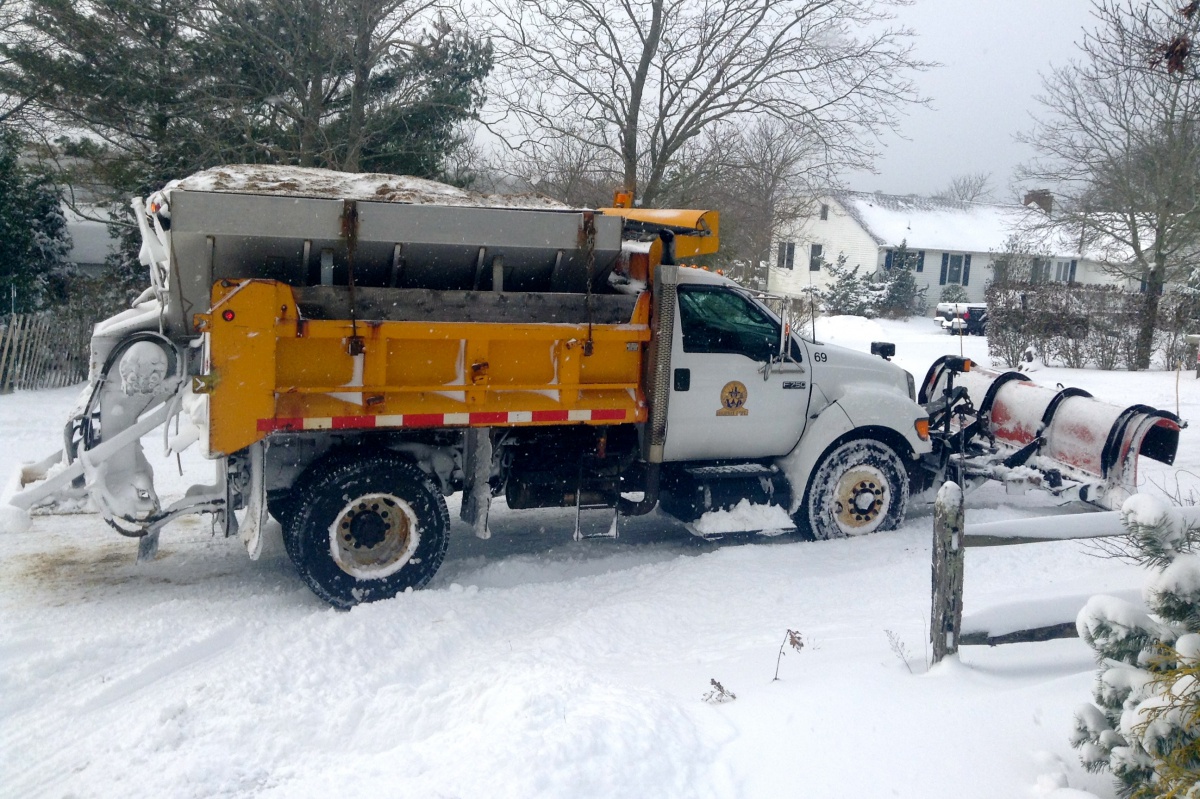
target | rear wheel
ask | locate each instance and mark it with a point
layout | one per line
(367, 529)
(859, 487)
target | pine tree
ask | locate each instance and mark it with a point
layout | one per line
(903, 298)
(850, 294)
(34, 241)
(169, 87)
(1144, 727)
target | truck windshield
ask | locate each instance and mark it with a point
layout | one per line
(716, 319)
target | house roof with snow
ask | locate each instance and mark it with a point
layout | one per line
(948, 225)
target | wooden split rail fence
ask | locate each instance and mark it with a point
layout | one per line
(950, 541)
(43, 350)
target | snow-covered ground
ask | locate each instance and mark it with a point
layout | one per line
(535, 666)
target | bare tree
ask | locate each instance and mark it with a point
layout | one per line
(1120, 147)
(773, 172)
(566, 170)
(638, 80)
(972, 188)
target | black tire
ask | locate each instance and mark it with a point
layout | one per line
(391, 528)
(283, 506)
(858, 487)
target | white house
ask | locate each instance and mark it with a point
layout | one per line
(91, 241)
(955, 243)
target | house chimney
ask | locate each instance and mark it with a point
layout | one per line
(1042, 198)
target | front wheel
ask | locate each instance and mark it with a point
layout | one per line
(859, 487)
(367, 528)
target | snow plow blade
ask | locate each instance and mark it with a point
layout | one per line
(1060, 439)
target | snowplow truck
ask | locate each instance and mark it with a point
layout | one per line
(350, 350)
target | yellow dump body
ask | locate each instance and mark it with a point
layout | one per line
(270, 369)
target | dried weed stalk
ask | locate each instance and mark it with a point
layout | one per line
(792, 639)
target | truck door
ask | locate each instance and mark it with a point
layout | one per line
(731, 396)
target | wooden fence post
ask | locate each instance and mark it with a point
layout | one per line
(12, 352)
(35, 356)
(6, 339)
(28, 338)
(946, 616)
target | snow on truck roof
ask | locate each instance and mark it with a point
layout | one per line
(294, 181)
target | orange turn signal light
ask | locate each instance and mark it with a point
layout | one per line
(922, 428)
(967, 364)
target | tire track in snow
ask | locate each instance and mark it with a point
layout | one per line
(41, 773)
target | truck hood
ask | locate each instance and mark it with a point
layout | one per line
(846, 368)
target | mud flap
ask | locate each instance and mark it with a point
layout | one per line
(148, 547)
(477, 491)
(250, 529)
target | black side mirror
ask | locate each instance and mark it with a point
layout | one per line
(884, 349)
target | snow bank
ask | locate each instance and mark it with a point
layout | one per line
(294, 181)
(846, 330)
(1027, 615)
(13, 520)
(744, 517)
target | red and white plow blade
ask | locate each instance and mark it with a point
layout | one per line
(1083, 447)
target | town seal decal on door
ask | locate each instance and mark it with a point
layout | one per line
(733, 399)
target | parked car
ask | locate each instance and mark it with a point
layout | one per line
(963, 318)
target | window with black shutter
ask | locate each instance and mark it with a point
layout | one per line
(956, 269)
(954, 273)
(815, 257)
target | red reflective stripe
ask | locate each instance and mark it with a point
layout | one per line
(439, 419)
(424, 419)
(490, 417)
(347, 422)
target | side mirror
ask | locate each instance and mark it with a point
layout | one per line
(884, 349)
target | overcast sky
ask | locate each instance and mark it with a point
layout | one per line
(991, 52)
